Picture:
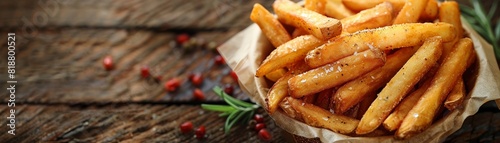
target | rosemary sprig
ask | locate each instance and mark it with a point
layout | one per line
(236, 110)
(480, 21)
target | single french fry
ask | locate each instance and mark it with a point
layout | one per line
(378, 16)
(404, 80)
(456, 96)
(410, 12)
(323, 99)
(318, 25)
(389, 37)
(422, 114)
(335, 74)
(394, 120)
(315, 5)
(359, 5)
(287, 108)
(270, 26)
(298, 32)
(319, 117)
(430, 12)
(291, 52)
(449, 12)
(275, 75)
(358, 89)
(365, 104)
(280, 88)
(337, 10)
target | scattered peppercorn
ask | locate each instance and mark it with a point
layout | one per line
(228, 89)
(259, 126)
(200, 132)
(145, 71)
(172, 84)
(198, 94)
(196, 79)
(219, 60)
(186, 127)
(258, 118)
(182, 38)
(234, 76)
(108, 63)
(264, 135)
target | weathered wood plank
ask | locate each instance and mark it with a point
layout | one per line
(124, 123)
(65, 66)
(158, 14)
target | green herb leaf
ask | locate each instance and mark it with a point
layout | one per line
(497, 31)
(218, 108)
(235, 110)
(493, 8)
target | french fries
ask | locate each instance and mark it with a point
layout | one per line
(315, 5)
(410, 12)
(331, 73)
(386, 38)
(270, 26)
(378, 16)
(422, 114)
(359, 5)
(394, 120)
(335, 74)
(456, 95)
(337, 10)
(280, 89)
(288, 53)
(431, 11)
(318, 25)
(276, 74)
(356, 90)
(400, 85)
(319, 117)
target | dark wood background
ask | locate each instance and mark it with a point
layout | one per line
(64, 94)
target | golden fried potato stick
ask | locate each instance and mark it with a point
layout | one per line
(410, 12)
(335, 74)
(359, 5)
(280, 88)
(397, 88)
(315, 5)
(291, 52)
(276, 74)
(337, 10)
(270, 26)
(378, 16)
(456, 96)
(430, 12)
(449, 12)
(385, 38)
(394, 120)
(421, 115)
(287, 108)
(320, 26)
(356, 90)
(319, 117)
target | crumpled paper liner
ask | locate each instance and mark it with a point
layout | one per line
(245, 51)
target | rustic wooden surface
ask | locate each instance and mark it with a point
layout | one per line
(65, 95)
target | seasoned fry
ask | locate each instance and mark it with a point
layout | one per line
(316, 5)
(404, 80)
(323, 99)
(356, 90)
(319, 117)
(421, 115)
(280, 89)
(456, 95)
(449, 12)
(291, 52)
(389, 37)
(378, 16)
(275, 75)
(337, 10)
(269, 25)
(287, 108)
(410, 12)
(430, 12)
(359, 5)
(318, 25)
(334, 74)
(394, 120)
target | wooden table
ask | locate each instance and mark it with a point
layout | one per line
(64, 94)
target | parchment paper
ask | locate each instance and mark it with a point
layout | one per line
(245, 51)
